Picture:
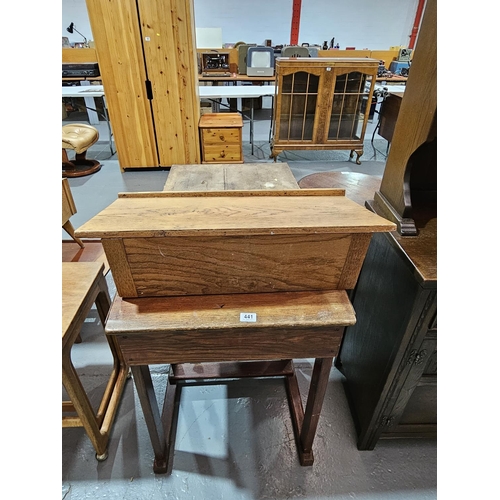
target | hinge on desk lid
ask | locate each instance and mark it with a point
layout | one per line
(149, 90)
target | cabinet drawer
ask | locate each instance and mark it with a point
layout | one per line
(221, 136)
(222, 153)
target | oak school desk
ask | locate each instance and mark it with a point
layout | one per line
(272, 287)
(216, 345)
(162, 428)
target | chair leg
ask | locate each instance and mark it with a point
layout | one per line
(68, 227)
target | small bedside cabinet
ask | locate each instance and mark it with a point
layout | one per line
(220, 135)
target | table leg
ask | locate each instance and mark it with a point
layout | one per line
(149, 404)
(90, 105)
(110, 132)
(305, 424)
(251, 123)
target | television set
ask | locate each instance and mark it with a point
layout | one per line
(260, 61)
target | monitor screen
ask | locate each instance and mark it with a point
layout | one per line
(260, 57)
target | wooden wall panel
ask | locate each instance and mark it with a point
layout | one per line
(115, 28)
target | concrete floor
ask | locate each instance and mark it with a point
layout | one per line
(234, 440)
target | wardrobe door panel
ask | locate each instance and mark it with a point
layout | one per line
(115, 27)
(170, 56)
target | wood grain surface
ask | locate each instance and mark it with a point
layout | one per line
(222, 176)
(209, 328)
(78, 280)
(358, 187)
(231, 215)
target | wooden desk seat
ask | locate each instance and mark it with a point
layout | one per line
(83, 284)
(190, 331)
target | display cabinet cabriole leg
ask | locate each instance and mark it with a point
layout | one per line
(359, 153)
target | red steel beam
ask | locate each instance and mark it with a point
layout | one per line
(416, 23)
(294, 32)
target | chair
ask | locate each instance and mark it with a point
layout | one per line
(78, 137)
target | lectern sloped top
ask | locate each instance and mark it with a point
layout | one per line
(197, 243)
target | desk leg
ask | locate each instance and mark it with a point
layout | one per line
(305, 424)
(161, 429)
(169, 418)
(145, 390)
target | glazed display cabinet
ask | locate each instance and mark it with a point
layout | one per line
(322, 103)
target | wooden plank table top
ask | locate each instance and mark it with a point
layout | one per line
(224, 176)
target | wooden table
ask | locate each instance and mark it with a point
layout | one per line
(358, 187)
(155, 330)
(237, 78)
(222, 177)
(83, 284)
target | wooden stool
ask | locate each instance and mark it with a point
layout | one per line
(78, 137)
(83, 284)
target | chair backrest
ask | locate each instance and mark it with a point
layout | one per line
(294, 51)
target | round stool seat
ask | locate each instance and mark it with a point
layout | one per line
(79, 137)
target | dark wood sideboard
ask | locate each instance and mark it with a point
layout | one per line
(389, 358)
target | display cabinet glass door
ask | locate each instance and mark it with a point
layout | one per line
(299, 96)
(350, 103)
